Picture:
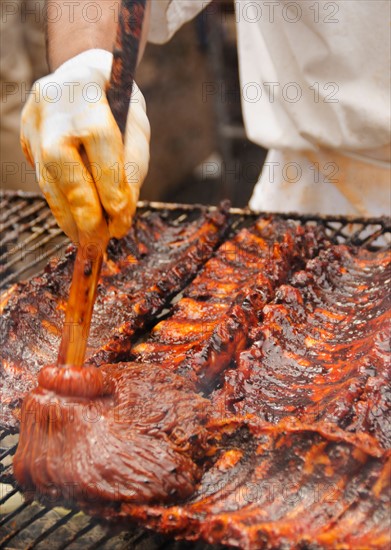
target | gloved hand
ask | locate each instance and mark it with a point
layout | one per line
(69, 133)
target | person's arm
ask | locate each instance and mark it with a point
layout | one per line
(74, 27)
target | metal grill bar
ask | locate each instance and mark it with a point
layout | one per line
(19, 214)
(15, 275)
(32, 235)
(30, 228)
(45, 534)
(8, 450)
(7, 496)
(23, 525)
(8, 517)
(93, 523)
(35, 231)
(4, 454)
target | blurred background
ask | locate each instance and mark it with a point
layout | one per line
(199, 152)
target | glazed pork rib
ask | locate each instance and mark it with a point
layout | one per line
(322, 353)
(141, 273)
(303, 453)
(213, 321)
(155, 410)
(276, 486)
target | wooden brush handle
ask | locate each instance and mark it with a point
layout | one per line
(86, 273)
(125, 53)
(90, 255)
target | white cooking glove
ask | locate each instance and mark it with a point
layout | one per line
(67, 125)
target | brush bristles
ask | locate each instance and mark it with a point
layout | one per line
(127, 446)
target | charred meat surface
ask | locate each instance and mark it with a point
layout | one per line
(322, 353)
(60, 426)
(141, 273)
(302, 426)
(212, 323)
(275, 488)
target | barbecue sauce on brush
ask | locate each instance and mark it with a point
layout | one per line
(140, 441)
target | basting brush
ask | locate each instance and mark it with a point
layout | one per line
(70, 389)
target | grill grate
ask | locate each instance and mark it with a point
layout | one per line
(29, 237)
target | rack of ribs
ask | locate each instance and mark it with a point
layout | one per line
(256, 414)
(139, 277)
(282, 486)
(213, 321)
(180, 353)
(301, 428)
(322, 352)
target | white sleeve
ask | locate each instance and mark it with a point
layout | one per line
(167, 16)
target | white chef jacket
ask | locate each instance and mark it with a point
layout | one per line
(315, 90)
